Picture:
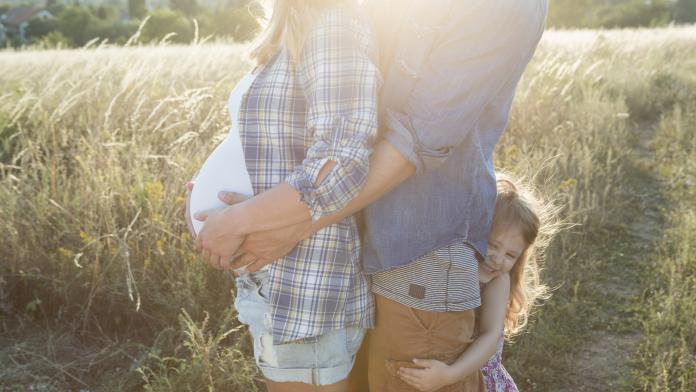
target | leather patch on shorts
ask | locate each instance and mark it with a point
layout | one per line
(416, 291)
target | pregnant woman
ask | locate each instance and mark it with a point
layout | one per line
(306, 119)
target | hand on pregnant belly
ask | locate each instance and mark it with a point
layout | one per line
(225, 197)
(218, 240)
(261, 248)
(223, 170)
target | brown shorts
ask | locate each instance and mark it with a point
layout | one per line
(402, 333)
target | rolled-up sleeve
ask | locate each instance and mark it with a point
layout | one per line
(340, 81)
(470, 74)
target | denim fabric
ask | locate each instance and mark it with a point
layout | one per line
(450, 71)
(297, 114)
(321, 360)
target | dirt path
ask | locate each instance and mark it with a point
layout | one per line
(605, 361)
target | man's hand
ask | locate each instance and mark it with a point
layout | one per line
(432, 376)
(262, 248)
(218, 241)
(214, 260)
(258, 249)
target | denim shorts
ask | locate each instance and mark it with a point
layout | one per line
(324, 360)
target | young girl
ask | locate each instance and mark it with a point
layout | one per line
(510, 286)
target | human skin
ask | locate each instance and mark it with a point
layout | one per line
(388, 168)
(256, 231)
(505, 246)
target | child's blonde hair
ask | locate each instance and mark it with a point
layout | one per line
(518, 204)
(286, 24)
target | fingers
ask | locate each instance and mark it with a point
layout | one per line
(209, 259)
(203, 215)
(409, 378)
(226, 262)
(243, 260)
(257, 265)
(412, 372)
(424, 363)
(231, 197)
(199, 243)
(215, 262)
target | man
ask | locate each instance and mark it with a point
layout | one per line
(450, 70)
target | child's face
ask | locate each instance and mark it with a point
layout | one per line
(505, 245)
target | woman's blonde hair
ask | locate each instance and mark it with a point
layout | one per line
(286, 24)
(517, 204)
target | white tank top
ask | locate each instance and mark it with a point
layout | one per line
(225, 168)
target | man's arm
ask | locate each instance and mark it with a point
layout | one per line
(388, 169)
(459, 79)
(269, 239)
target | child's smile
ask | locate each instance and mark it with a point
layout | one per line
(505, 246)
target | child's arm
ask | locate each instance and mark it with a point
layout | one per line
(435, 374)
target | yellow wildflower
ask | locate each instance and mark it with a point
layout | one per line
(85, 237)
(155, 191)
(67, 253)
(568, 183)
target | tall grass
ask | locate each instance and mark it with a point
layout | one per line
(668, 354)
(96, 145)
(586, 100)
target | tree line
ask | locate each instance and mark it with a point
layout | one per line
(74, 25)
(620, 13)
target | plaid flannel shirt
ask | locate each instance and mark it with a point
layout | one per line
(297, 115)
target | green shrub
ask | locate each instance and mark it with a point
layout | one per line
(165, 23)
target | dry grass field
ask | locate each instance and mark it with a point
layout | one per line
(101, 289)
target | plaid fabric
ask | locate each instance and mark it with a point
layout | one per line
(296, 116)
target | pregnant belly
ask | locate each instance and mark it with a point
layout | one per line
(224, 170)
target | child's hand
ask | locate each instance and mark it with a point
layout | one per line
(433, 375)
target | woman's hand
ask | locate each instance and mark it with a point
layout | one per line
(264, 247)
(258, 249)
(432, 376)
(218, 241)
(212, 253)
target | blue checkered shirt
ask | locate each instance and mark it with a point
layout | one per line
(297, 115)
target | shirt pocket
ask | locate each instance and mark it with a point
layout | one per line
(418, 37)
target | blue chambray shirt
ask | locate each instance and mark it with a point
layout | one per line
(295, 117)
(450, 72)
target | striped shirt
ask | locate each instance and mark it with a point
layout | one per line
(444, 280)
(297, 115)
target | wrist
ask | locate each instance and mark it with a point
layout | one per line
(452, 375)
(312, 228)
